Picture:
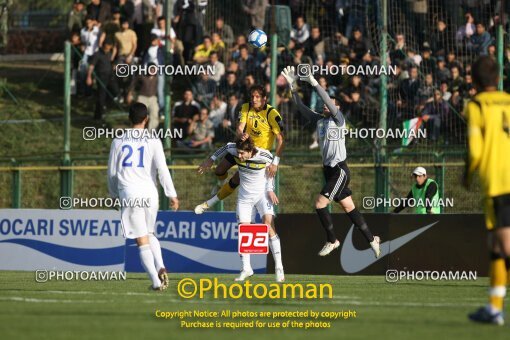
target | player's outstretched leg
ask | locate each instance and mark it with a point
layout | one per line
(158, 260)
(221, 181)
(227, 189)
(147, 259)
(221, 171)
(357, 219)
(321, 207)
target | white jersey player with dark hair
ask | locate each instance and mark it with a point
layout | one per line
(134, 165)
(256, 192)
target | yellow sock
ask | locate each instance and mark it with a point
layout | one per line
(498, 279)
(225, 191)
(222, 177)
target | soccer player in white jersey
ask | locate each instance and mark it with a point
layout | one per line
(256, 192)
(135, 162)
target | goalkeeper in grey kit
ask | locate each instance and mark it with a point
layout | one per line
(336, 172)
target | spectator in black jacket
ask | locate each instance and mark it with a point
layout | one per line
(358, 44)
(101, 65)
(245, 61)
(205, 88)
(127, 10)
(229, 84)
(435, 113)
(100, 10)
(452, 61)
(184, 111)
(440, 38)
(442, 73)
(409, 90)
(314, 46)
(186, 26)
(428, 63)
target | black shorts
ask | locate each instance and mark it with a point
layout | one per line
(337, 182)
(500, 211)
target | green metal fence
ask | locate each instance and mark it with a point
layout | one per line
(34, 183)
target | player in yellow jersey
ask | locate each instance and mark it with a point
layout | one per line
(488, 120)
(263, 124)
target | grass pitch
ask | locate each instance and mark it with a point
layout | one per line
(126, 309)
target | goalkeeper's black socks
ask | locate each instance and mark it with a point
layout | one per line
(360, 223)
(327, 223)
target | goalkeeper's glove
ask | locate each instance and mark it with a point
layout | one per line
(308, 76)
(289, 73)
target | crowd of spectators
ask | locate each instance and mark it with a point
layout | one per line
(431, 48)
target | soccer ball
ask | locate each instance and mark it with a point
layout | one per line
(257, 38)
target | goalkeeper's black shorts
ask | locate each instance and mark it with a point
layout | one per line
(337, 182)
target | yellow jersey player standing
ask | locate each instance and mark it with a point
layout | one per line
(488, 119)
(263, 124)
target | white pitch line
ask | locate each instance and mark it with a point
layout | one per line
(84, 292)
(284, 302)
(336, 300)
(34, 300)
(340, 297)
(384, 304)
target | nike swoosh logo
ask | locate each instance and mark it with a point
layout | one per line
(353, 260)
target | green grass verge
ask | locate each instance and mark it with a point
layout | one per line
(126, 309)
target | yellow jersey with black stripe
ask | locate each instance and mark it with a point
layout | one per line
(488, 119)
(262, 126)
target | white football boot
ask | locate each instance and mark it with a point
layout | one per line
(376, 246)
(244, 275)
(329, 247)
(201, 208)
(280, 276)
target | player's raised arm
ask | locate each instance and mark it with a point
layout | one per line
(241, 124)
(330, 104)
(220, 153)
(112, 171)
(164, 174)
(290, 75)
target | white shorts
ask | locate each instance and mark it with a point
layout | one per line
(139, 221)
(247, 208)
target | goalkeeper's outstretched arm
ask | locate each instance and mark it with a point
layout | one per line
(335, 110)
(289, 74)
(305, 110)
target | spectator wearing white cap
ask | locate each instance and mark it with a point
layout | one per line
(424, 194)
